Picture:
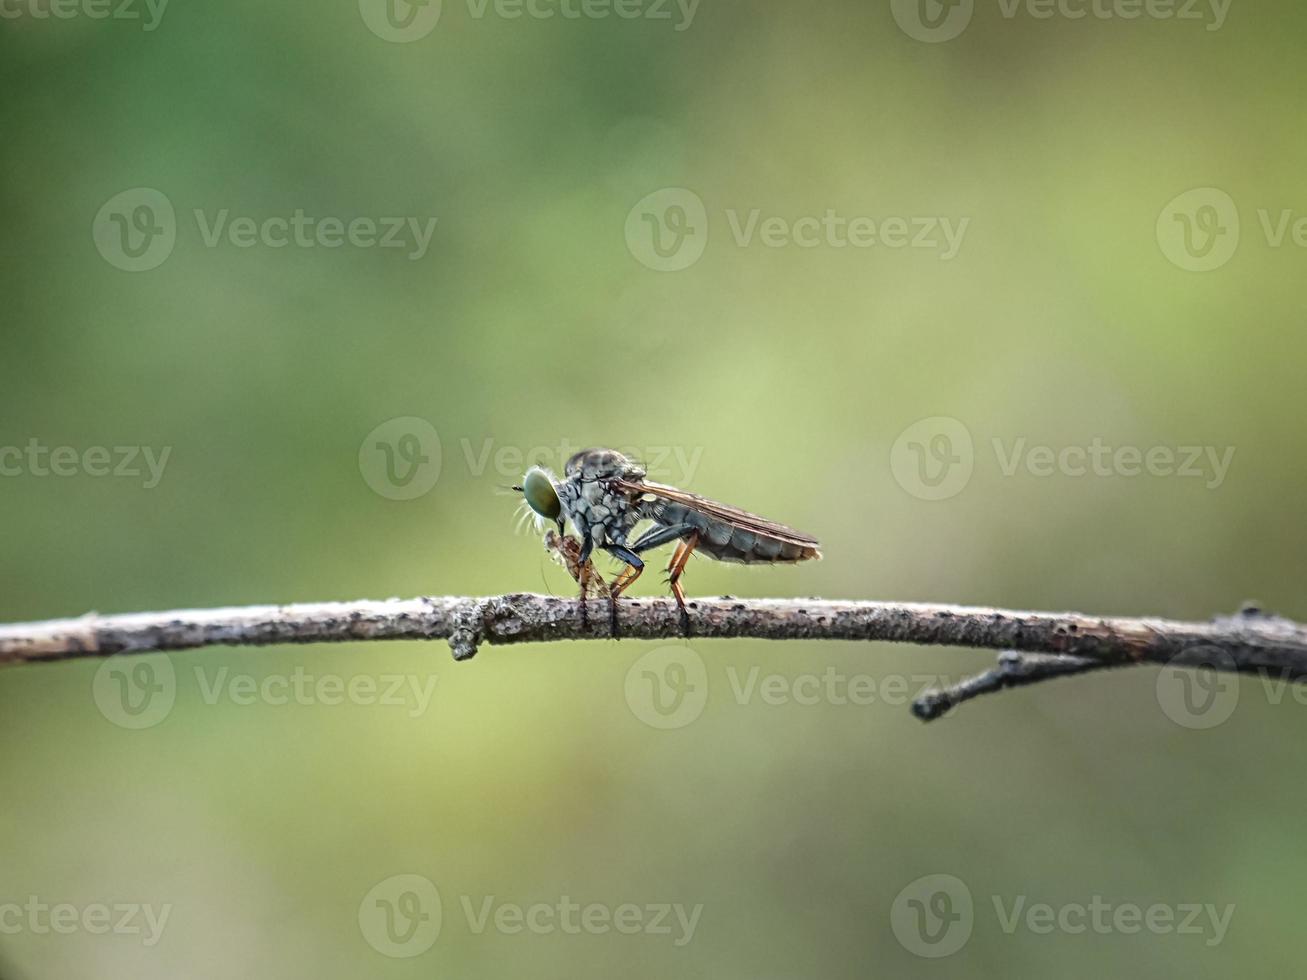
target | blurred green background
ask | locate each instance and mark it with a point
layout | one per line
(544, 316)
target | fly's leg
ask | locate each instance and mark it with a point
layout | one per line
(583, 570)
(689, 538)
(657, 535)
(634, 566)
(674, 569)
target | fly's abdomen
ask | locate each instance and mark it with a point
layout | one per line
(727, 543)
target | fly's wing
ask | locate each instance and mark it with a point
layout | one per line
(723, 512)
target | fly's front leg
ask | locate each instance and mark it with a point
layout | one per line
(634, 566)
(583, 571)
(674, 569)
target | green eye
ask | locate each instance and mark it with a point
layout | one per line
(541, 497)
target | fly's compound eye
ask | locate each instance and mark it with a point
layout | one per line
(541, 497)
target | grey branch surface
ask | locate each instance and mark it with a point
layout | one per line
(1040, 645)
(1014, 670)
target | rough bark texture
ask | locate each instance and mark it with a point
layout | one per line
(1249, 641)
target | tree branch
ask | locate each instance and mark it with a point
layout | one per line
(1038, 646)
(1072, 643)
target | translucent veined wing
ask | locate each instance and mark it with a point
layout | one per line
(722, 512)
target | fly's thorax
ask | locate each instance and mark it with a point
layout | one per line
(597, 509)
(575, 508)
(602, 464)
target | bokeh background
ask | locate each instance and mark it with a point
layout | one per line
(543, 316)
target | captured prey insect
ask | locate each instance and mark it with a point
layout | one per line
(604, 495)
(566, 550)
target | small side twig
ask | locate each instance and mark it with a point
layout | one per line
(1014, 670)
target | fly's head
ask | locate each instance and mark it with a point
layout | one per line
(539, 492)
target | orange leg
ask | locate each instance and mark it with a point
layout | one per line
(628, 576)
(684, 549)
(583, 575)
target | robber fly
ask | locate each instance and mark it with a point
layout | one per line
(605, 495)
